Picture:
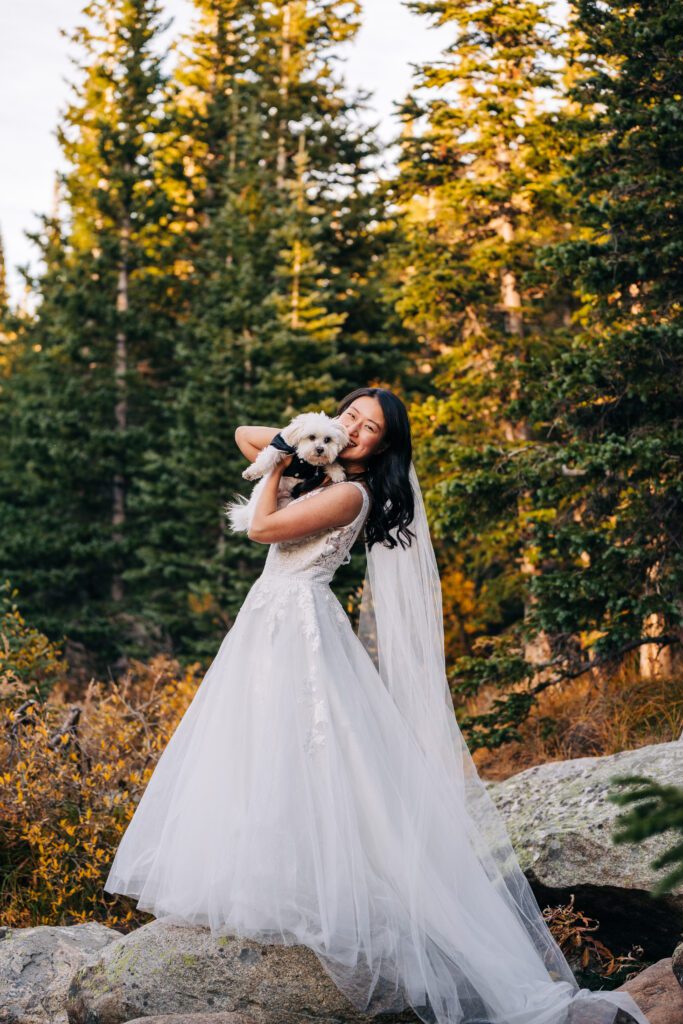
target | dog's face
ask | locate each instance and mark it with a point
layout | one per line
(318, 438)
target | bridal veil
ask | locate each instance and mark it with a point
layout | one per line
(476, 949)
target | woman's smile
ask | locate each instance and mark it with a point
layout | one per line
(365, 425)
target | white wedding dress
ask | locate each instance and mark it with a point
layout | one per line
(284, 809)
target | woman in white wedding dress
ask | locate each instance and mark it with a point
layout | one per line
(318, 790)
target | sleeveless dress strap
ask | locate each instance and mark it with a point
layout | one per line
(366, 496)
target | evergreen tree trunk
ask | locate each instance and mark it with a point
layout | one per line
(121, 407)
(286, 56)
(537, 650)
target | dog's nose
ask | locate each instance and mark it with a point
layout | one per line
(320, 450)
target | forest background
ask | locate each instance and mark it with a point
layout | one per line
(229, 246)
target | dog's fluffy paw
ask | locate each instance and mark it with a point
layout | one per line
(335, 472)
(250, 473)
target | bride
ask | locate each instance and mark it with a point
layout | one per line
(318, 790)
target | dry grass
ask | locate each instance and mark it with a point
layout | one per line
(586, 717)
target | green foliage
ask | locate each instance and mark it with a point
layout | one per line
(80, 407)
(218, 256)
(656, 810)
(559, 456)
(28, 660)
(284, 307)
(478, 182)
(223, 250)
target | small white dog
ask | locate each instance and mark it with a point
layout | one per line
(315, 439)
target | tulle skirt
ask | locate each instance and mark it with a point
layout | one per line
(292, 805)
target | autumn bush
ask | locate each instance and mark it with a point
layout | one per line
(71, 775)
(26, 655)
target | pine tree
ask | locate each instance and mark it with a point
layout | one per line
(284, 306)
(82, 407)
(477, 187)
(604, 465)
(219, 256)
(6, 317)
(614, 398)
(4, 293)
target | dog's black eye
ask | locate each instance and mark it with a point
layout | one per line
(311, 437)
(327, 439)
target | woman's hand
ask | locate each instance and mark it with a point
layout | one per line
(266, 503)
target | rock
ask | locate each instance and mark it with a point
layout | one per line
(164, 969)
(658, 993)
(677, 964)
(195, 1018)
(37, 964)
(561, 826)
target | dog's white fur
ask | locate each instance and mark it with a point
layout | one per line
(318, 439)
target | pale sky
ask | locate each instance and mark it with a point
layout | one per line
(34, 67)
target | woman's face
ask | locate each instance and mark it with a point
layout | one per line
(364, 422)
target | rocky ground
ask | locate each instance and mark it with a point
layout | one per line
(172, 974)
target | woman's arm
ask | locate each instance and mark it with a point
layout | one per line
(250, 440)
(334, 505)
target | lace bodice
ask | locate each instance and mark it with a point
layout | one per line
(317, 556)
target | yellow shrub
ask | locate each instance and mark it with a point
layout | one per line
(71, 775)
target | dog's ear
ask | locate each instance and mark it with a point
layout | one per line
(339, 430)
(295, 430)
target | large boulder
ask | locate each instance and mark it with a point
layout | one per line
(657, 992)
(166, 973)
(561, 824)
(677, 964)
(36, 967)
(165, 968)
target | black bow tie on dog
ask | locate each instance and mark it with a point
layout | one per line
(310, 476)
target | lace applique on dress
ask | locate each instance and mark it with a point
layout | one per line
(319, 555)
(263, 599)
(318, 714)
(300, 564)
(304, 596)
(337, 609)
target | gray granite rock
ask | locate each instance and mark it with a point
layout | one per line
(165, 968)
(561, 825)
(37, 964)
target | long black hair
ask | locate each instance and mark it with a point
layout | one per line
(387, 472)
